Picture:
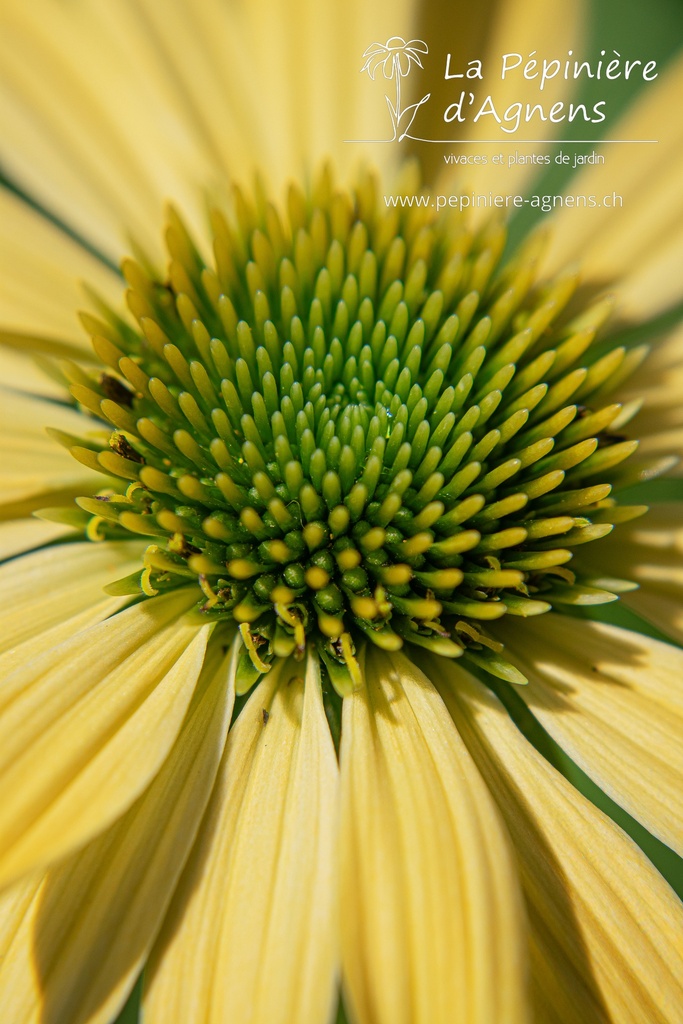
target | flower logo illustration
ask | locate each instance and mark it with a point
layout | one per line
(396, 58)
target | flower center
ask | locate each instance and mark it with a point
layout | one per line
(353, 422)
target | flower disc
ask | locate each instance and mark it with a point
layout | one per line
(354, 422)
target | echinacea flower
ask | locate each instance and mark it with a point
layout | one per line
(316, 509)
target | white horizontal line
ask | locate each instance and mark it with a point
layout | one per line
(509, 142)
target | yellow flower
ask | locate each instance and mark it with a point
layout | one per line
(317, 508)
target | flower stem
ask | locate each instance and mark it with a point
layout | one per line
(397, 67)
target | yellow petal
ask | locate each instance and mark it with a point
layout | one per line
(86, 725)
(650, 552)
(15, 906)
(103, 116)
(31, 462)
(433, 929)
(19, 535)
(20, 371)
(655, 603)
(47, 588)
(658, 384)
(41, 268)
(307, 68)
(252, 936)
(278, 89)
(605, 927)
(652, 285)
(208, 49)
(622, 242)
(659, 603)
(74, 952)
(519, 26)
(612, 699)
(42, 619)
(137, 102)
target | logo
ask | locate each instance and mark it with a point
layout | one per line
(396, 58)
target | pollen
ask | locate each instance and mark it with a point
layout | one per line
(355, 424)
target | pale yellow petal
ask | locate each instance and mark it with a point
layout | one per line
(331, 100)
(613, 701)
(207, 47)
(531, 29)
(278, 88)
(650, 552)
(32, 463)
(48, 588)
(139, 102)
(653, 284)
(624, 241)
(103, 115)
(605, 927)
(51, 595)
(252, 934)
(663, 443)
(15, 905)
(432, 924)
(41, 268)
(20, 371)
(658, 384)
(19, 535)
(73, 953)
(87, 724)
(655, 604)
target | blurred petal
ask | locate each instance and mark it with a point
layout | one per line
(486, 31)
(649, 551)
(31, 463)
(612, 699)
(652, 285)
(20, 370)
(18, 535)
(664, 610)
(432, 921)
(137, 101)
(659, 385)
(251, 936)
(41, 269)
(104, 115)
(605, 925)
(15, 904)
(86, 726)
(312, 93)
(79, 947)
(623, 242)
